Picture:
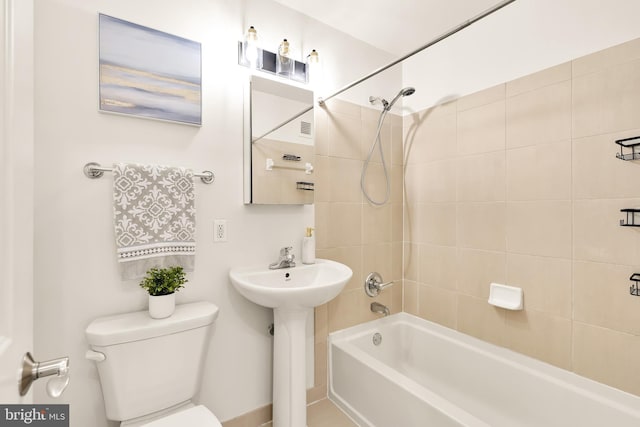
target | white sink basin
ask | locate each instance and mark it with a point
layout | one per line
(303, 286)
(291, 292)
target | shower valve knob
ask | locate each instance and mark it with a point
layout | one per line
(373, 284)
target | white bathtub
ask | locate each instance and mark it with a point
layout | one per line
(423, 374)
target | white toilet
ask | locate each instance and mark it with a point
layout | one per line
(150, 369)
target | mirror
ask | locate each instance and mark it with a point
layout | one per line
(278, 143)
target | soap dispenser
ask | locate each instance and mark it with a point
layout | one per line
(309, 247)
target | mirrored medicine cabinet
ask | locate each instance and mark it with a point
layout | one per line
(278, 143)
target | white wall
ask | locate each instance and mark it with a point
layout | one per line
(16, 191)
(75, 268)
(522, 38)
(275, 109)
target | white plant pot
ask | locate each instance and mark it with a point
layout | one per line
(162, 306)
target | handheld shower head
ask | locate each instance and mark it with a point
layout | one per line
(407, 91)
(386, 106)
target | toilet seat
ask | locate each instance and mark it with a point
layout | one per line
(197, 416)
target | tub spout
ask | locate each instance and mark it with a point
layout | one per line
(376, 307)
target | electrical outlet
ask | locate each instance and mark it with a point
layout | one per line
(220, 230)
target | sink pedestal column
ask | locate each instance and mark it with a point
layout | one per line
(289, 367)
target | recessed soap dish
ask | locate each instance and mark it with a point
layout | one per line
(508, 297)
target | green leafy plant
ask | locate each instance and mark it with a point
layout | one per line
(164, 281)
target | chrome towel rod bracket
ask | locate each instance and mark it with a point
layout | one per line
(94, 170)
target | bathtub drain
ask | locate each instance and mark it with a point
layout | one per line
(377, 338)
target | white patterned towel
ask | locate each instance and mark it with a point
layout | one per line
(154, 217)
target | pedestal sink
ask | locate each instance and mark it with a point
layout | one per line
(291, 292)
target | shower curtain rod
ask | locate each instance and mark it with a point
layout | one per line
(438, 39)
(465, 24)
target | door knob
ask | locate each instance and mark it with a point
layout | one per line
(32, 370)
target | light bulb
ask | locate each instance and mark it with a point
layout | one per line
(284, 63)
(313, 67)
(313, 57)
(251, 47)
(283, 50)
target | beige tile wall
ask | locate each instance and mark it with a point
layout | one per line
(519, 184)
(350, 230)
(279, 186)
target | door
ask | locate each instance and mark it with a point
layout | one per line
(16, 192)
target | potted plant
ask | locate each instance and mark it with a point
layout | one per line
(161, 284)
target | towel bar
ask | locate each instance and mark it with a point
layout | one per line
(94, 170)
(307, 168)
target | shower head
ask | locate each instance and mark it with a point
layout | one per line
(407, 91)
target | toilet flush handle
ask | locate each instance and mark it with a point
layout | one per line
(96, 356)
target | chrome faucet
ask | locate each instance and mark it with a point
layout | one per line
(376, 307)
(285, 260)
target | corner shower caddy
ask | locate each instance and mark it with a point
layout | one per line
(303, 185)
(635, 288)
(630, 221)
(630, 150)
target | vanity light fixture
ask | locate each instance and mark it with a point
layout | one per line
(279, 63)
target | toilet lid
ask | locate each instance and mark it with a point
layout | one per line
(198, 416)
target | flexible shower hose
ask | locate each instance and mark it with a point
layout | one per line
(376, 141)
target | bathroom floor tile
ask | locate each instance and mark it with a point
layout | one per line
(325, 414)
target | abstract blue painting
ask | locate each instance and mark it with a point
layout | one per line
(149, 73)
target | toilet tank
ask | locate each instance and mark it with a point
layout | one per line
(151, 364)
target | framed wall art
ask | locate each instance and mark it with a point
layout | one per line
(149, 73)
